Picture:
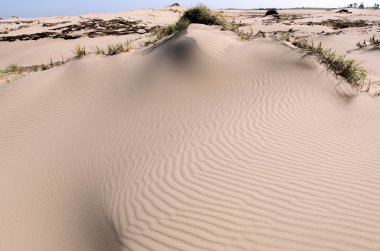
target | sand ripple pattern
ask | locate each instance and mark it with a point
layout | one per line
(259, 157)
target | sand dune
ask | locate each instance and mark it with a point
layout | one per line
(173, 149)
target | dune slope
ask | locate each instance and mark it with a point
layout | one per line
(198, 144)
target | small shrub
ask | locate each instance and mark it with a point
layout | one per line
(44, 67)
(272, 12)
(361, 45)
(79, 51)
(13, 68)
(199, 15)
(244, 36)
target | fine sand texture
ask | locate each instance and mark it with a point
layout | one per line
(192, 144)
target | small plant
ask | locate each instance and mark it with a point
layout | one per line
(79, 51)
(337, 63)
(44, 67)
(13, 68)
(244, 36)
(272, 12)
(361, 45)
(113, 49)
(374, 41)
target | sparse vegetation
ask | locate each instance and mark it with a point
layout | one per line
(13, 68)
(113, 49)
(372, 41)
(343, 67)
(261, 34)
(79, 51)
(200, 15)
(272, 12)
(361, 45)
(44, 67)
(11, 72)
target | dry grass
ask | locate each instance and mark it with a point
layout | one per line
(339, 64)
(113, 49)
(372, 41)
(79, 51)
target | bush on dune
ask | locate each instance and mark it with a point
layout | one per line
(272, 12)
(199, 15)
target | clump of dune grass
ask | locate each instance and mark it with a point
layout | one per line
(44, 67)
(199, 15)
(361, 45)
(272, 12)
(339, 64)
(113, 49)
(11, 72)
(79, 51)
(12, 68)
(374, 41)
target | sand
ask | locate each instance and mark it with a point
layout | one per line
(194, 144)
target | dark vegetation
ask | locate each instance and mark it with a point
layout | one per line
(92, 28)
(200, 15)
(272, 12)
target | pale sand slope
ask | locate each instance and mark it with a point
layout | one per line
(26, 53)
(176, 150)
(342, 40)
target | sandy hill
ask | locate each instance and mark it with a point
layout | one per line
(198, 144)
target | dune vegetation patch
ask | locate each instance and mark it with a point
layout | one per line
(338, 63)
(272, 12)
(11, 72)
(113, 49)
(199, 15)
(372, 41)
(79, 51)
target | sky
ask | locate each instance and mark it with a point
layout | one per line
(40, 8)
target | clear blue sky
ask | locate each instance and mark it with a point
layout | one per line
(38, 8)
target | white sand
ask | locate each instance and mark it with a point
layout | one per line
(202, 144)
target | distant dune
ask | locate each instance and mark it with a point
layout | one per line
(199, 142)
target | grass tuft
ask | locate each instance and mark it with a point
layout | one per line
(374, 41)
(13, 68)
(339, 64)
(113, 49)
(79, 51)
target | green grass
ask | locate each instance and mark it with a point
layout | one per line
(79, 51)
(199, 15)
(339, 64)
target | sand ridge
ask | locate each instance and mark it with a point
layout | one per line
(263, 150)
